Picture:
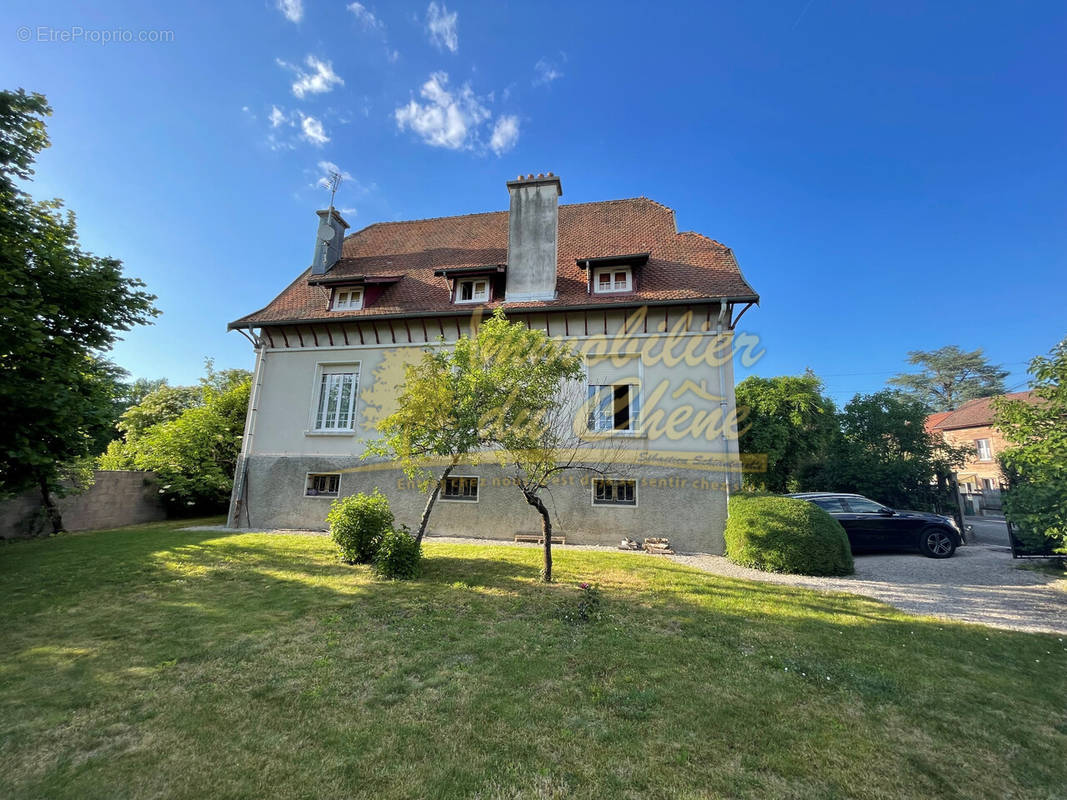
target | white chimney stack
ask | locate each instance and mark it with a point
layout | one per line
(533, 237)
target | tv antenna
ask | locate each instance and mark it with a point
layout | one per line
(326, 231)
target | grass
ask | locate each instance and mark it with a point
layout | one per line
(151, 662)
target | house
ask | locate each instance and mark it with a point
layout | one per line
(971, 426)
(651, 309)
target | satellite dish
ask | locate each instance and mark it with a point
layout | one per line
(326, 233)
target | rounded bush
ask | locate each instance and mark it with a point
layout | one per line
(781, 534)
(398, 555)
(357, 525)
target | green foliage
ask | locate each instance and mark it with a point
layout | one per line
(781, 534)
(358, 524)
(190, 436)
(1036, 463)
(950, 377)
(399, 555)
(790, 421)
(60, 308)
(581, 609)
(882, 450)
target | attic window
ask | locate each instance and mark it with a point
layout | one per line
(347, 299)
(612, 279)
(472, 291)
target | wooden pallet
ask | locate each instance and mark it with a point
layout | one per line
(537, 538)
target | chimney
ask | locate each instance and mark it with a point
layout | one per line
(533, 234)
(328, 240)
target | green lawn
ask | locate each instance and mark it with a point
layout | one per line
(152, 662)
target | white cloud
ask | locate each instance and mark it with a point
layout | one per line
(292, 9)
(366, 16)
(442, 26)
(311, 130)
(392, 55)
(448, 119)
(319, 79)
(277, 117)
(505, 134)
(325, 168)
(546, 71)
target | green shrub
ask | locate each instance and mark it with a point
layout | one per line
(398, 555)
(581, 609)
(357, 525)
(780, 534)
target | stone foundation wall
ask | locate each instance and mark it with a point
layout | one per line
(116, 498)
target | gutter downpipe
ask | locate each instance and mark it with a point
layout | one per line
(237, 503)
(723, 407)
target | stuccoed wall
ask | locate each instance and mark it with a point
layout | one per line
(116, 498)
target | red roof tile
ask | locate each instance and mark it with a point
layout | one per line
(973, 413)
(682, 266)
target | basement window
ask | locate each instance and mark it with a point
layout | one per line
(613, 408)
(461, 488)
(473, 291)
(612, 279)
(614, 493)
(347, 299)
(323, 485)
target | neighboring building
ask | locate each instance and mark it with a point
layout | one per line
(971, 426)
(652, 310)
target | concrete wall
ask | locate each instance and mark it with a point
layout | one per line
(116, 498)
(678, 449)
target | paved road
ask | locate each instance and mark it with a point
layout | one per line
(987, 530)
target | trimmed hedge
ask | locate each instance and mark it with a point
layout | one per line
(781, 534)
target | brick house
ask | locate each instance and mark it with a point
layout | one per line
(651, 309)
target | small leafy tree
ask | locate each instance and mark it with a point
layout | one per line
(950, 377)
(358, 524)
(61, 308)
(1036, 463)
(790, 421)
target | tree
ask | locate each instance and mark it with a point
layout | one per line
(190, 436)
(950, 377)
(1036, 464)
(790, 421)
(61, 308)
(883, 450)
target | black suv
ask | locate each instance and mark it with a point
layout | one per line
(872, 526)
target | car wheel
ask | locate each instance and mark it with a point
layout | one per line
(937, 543)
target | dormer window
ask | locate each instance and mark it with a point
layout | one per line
(472, 291)
(350, 299)
(612, 279)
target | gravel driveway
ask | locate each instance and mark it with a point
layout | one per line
(979, 584)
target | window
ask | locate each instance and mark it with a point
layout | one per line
(347, 299)
(462, 488)
(985, 452)
(987, 485)
(614, 493)
(831, 504)
(322, 485)
(476, 291)
(861, 505)
(335, 403)
(612, 279)
(613, 407)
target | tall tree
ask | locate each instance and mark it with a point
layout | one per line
(61, 308)
(1036, 463)
(790, 421)
(950, 377)
(882, 450)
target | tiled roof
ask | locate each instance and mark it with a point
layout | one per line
(682, 266)
(973, 413)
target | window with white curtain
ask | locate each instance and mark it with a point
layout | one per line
(613, 399)
(335, 403)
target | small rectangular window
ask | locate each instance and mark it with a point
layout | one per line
(323, 485)
(987, 484)
(613, 408)
(348, 299)
(336, 402)
(614, 492)
(612, 279)
(985, 452)
(460, 488)
(476, 291)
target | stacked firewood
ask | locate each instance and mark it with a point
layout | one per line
(659, 544)
(629, 544)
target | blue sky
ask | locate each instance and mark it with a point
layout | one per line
(891, 176)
